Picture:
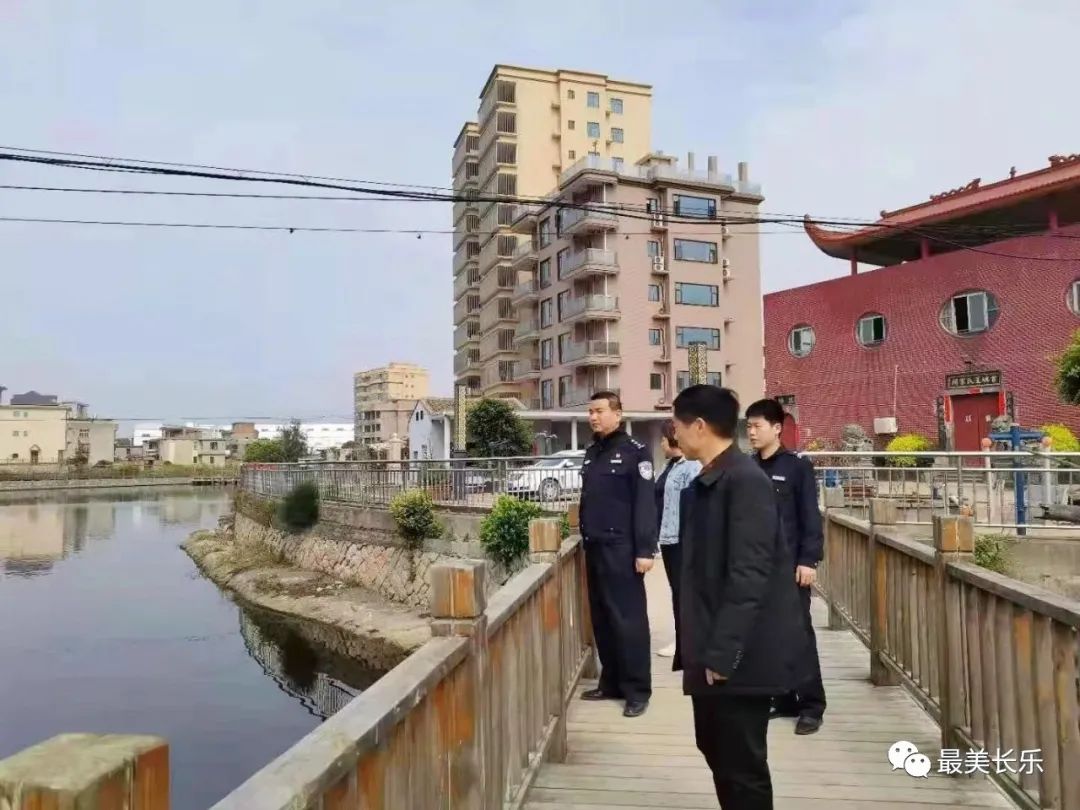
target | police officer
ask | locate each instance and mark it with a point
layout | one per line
(793, 478)
(618, 527)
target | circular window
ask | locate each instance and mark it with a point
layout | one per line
(801, 341)
(969, 313)
(1072, 300)
(870, 329)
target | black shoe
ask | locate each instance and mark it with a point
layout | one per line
(597, 694)
(635, 708)
(807, 724)
(782, 712)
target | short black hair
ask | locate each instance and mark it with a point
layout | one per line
(768, 409)
(717, 407)
(612, 399)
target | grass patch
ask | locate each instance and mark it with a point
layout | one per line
(991, 551)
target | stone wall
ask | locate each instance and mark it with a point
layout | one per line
(90, 483)
(361, 546)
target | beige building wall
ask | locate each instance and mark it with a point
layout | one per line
(404, 381)
(629, 299)
(531, 125)
(97, 437)
(33, 434)
(177, 451)
(211, 452)
(384, 419)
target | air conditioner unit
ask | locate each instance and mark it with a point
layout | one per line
(658, 264)
(725, 271)
(725, 232)
(885, 425)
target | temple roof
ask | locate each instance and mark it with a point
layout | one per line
(974, 213)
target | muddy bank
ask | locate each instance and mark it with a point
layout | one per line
(347, 619)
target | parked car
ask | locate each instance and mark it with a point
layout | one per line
(548, 479)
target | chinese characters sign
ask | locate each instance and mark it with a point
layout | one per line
(973, 379)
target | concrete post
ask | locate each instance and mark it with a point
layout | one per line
(99, 771)
(954, 540)
(882, 514)
(458, 601)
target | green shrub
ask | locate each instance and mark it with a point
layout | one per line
(414, 515)
(991, 551)
(910, 443)
(300, 509)
(564, 525)
(1062, 440)
(505, 531)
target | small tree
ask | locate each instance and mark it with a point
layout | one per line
(293, 442)
(266, 451)
(1067, 376)
(494, 429)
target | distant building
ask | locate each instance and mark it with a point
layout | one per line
(39, 429)
(91, 439)
(239, 437)
(33, 398)
(382, 421)
(431, 428)
(374, 388)
(319, 435)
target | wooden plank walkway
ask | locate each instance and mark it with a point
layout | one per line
(652, 762)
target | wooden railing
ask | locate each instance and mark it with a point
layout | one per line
(462, 724)
(993, 660)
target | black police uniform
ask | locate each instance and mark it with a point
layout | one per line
(793, 479)
(618, 525)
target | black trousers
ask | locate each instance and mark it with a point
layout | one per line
(808, 699)
(731, 731)
(620, 620)
(672, 555)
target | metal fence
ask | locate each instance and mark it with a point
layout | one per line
(1002, 490)
(554, 482)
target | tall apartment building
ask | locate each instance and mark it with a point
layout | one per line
(531, 125)
(613, 302)
(376, 391)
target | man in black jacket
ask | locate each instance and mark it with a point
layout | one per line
(741, 636)
(618, 529)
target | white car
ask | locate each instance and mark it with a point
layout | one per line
(548, 479)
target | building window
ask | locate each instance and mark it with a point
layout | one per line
(656, 337)
(545, 232)
(570, 94)
(570, 124)
(1074, 298)
(689, 250)
(545, 273)
(656, 382)
(616, 106)
(697, 295)
(561, 260)
(545, 313)
(870, 331)
(654, 292)
(545, 353)
(506, 123)
(682, 379)
(801, 341)
(701, 207)
(593, 99)
(969, 313)
(545, 394)
(571, 154)
(565, 384)
(685, 335)
(592, 129)
(616, 135)
(617, 164)
(653, 248)
(563, 298)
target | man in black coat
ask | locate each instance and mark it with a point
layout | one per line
(619, 533)
(741, 636)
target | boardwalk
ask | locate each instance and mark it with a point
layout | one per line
(651, 762)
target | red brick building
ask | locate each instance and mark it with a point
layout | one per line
(976, 291)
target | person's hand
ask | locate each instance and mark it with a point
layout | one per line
(643, 565)
(805, 576)
(713, 677)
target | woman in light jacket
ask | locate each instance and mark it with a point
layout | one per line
(677, 475)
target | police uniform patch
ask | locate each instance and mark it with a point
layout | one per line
(645, 468)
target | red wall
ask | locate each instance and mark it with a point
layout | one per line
(841, 382)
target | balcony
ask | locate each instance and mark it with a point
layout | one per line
(526, 292)
(524, 256)
(581, 395)
(590, 308)
(469, 281)
(499, 249)
(495, 281)
(468, 147)
(500, 372)
(523, 220)
(592, 353)
(466, 362)
(467, 307)
(463, 207)
(496, 311)
(587, 220)
(591, 261)
(527, 330)
(527, 369)
(498, 342)
(465, 257)
(468, 332)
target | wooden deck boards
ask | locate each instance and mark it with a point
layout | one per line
(652, 762)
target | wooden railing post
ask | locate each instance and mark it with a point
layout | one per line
(592, 664)
(545, 539)
(953, 540)
(458, 600)
(832, 573)
(88, 770)
(882, 513)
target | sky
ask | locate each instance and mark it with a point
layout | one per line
(841, 108)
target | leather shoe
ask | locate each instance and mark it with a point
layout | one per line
(635, 708)
(807, 724)
(597, 694)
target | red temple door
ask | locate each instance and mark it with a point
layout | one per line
(789, 433)
(972, 415)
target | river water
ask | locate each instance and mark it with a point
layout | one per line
(106, 626)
